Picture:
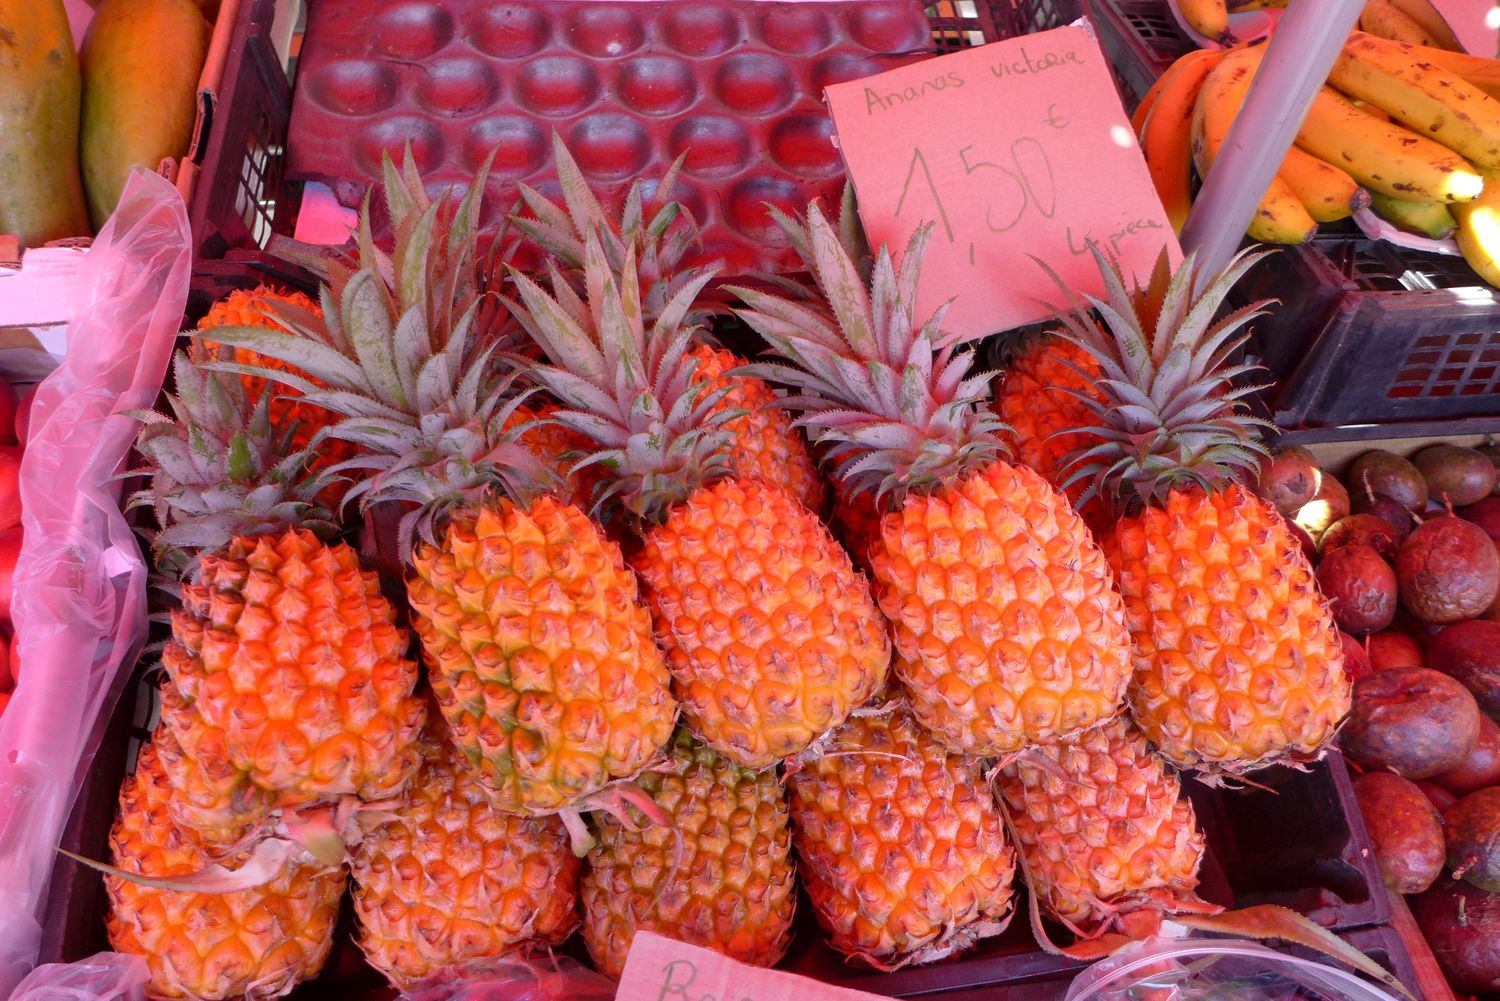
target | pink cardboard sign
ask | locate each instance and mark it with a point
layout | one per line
(663, 969)
(1012, 149)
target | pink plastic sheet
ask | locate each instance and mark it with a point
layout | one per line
(542, 978)
(80, 584)
(106, 976)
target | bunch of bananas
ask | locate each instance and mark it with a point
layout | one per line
(1415, 22)
(1411, 131)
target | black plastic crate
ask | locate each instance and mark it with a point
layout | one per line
(1141, 39)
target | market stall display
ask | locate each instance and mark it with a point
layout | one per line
(846, 697)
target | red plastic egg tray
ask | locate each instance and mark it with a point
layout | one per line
(737, 87)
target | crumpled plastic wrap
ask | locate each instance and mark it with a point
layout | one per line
(542, 978)
(80, 583)
(106, 976)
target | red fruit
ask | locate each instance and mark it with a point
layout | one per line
(1360, 587)
(1305, 541)
(1472, 828)
(1481, 768)
(1485, 514)
(1405, 831)
(1448, 569)
(4, 701)
(23, 414)
(1393, 649)
(13, 656)
(1462, 924)
(10, 550)
(1361, 530)
(1356, 660)
(1389, 511)
(1290, 479)
(1411, 721)
(10, 486)
(1439, 797)
(1470, 652)
(1328, 505)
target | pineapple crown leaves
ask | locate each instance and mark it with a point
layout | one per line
(631, 389)
(892, 400)
(659, 230)
(398, 355)
(851, 238)
(1172, 415)
(219, 470)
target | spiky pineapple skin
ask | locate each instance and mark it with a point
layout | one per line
(1103, 827)
(1005, 618)
(255, 944)
(901, 846)
(771, 635)
(242, 308)
(1237, 660)
(765, 445)
(721, 876)
(540, 653)
(290, 684)
(1033, 397)
(450, 881)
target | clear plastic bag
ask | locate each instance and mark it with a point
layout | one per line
(107, 976)
(542, 978)
(80, 584)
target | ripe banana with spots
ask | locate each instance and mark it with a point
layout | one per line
(1281, 216)
(1431, 22)
(1383, 156)
(1209, 18)
(1328, 193)
(1432, 101)
(1432, 219)
(1384, 19)
(1478, 232)
(1477, 70)
(1167, 132)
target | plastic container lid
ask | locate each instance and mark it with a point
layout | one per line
(1217, 969)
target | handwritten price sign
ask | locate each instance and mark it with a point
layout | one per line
(662, 969)
(1013, 149)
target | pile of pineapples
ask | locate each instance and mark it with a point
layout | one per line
(654, 689)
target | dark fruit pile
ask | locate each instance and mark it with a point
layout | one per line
(1406, 553)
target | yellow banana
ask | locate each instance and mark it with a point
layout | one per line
(1384, 19)
(1138, 116)
(1370, 109)
(1167, 133)
(1432, 219)
(1433, 101)
(1426, 15)
(1481, 72)
(1478, 232)
(1328, 193)
(1209, 18)
(1383, 156)
(1281, 217)
(1240, 6)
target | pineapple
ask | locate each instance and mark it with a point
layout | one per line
(255, 943)
(1237, 661)
(538, 650)
(902, 847)
(764, 445)
(720, 876)
(1108, 840)
(288, 685)
(451, 882)
(250, 308)
(1007, 628)
(1038, 397)
(771, 634)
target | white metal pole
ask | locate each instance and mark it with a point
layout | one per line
(1297, 62)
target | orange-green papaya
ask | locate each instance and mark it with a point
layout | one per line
(41, 195)
(141, 62)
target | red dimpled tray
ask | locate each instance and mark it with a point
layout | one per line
(629, 86)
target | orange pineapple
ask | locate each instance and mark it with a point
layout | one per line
(901, 846)
(771, 635)
(1007, 626)
(1237, 661)
(763, 443)
(538, 650)
(254, 943)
